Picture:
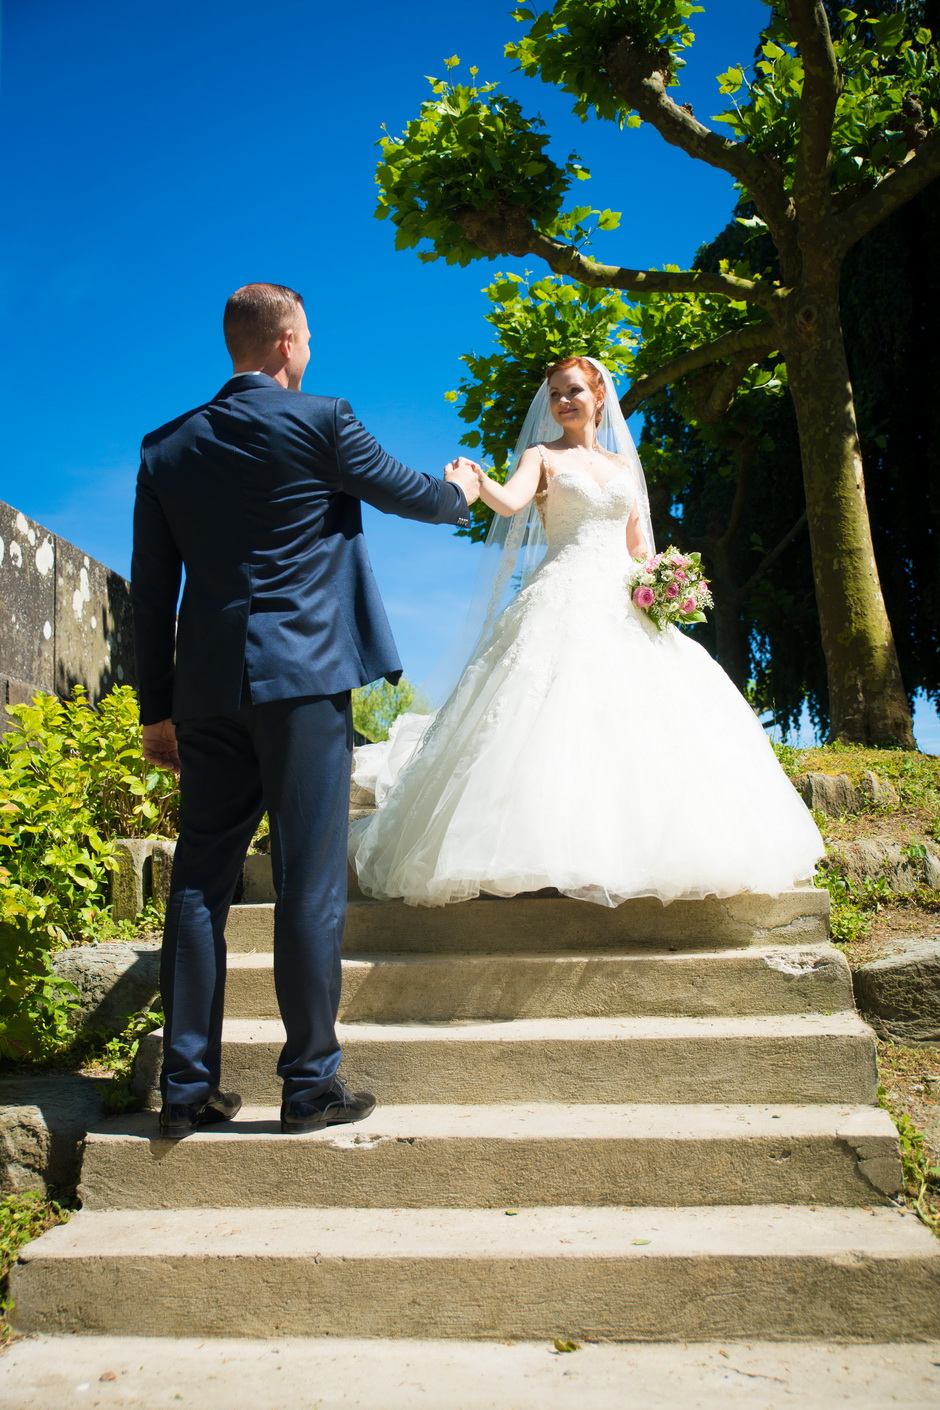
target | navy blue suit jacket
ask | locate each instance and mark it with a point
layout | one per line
(256, 495)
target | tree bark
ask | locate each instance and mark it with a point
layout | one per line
(867, 701)
(731, 645)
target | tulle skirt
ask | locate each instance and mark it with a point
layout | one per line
(585, 751)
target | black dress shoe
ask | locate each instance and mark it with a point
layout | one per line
(337, 1104)
(178, 1120)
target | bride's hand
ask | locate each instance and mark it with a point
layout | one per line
(465, 473)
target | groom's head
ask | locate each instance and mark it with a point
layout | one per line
(266, 330)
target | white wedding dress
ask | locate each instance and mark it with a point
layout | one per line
(582, 749)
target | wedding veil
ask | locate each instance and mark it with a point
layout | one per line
(515, 546)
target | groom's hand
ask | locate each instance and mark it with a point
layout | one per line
(466, 474)
(160, 745)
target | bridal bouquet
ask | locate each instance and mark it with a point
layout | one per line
(671, 588)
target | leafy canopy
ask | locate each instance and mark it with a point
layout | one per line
(880, 67)
(569, 46)
(473, 150)
(469, 147)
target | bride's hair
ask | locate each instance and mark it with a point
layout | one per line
(592, 375)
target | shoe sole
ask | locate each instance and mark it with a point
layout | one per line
(177, 1132)
(299, 1128)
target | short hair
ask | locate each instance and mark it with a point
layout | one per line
(255, 316)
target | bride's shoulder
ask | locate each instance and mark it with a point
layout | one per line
(547, 450)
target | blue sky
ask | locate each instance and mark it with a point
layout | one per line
(157, 155)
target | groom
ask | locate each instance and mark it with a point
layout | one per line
(256, 496)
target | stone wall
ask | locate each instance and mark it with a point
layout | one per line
(65, 619)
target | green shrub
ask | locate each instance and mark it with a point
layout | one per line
(71, 779)
(376, 707)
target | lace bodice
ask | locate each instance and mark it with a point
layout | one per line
(578, 513)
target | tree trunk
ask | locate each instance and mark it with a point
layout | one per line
(731, 636)
(867, 701)
(731, 649)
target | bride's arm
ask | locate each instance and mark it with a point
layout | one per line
(509, 498)
(637, 547)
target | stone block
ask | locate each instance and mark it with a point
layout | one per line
(873, 857)
(361, 801)
(27, 599)
(900, 995)
(257, 886)
(161, 869)
(835, 794)
(113, 981)
(876, 792)
(43, 1124)
(129, 886)
(93, 632)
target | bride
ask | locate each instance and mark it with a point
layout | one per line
(582, 749)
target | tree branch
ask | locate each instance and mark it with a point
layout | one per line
(821, 82)
(501, 229)
(921, 166)
(767, 563)
(718, 396)
(742, 487)
(565, 259)
(639, 78)
(757, 339)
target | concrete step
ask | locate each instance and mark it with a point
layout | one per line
(486, 1156)
(443, 988)
(540, 924)
(805, 1058)
(645, 1274)
(363, 1373)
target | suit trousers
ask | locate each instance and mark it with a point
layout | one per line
(292, 759)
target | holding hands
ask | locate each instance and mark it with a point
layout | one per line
(465, 473)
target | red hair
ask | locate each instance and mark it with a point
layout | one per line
(592, 375)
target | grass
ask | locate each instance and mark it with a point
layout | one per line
(861, 911)
(22, 1218)
(870, 920)
(910, 1093)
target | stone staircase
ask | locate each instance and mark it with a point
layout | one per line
(648, 1123)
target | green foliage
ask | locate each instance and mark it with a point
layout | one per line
(117, 1056)
(853, 905)
(71, 778)
(376, 707)
(470, 147)
(569, 45)
(536, 324)
(881, 63)
(916, 777)
(22, 1219)
(922, 1177)
(670, 324)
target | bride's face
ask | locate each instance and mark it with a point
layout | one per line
(571, 400)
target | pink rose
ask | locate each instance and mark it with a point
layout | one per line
(672, 589)
(644, 597)
(681, 577)
(688, 606)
